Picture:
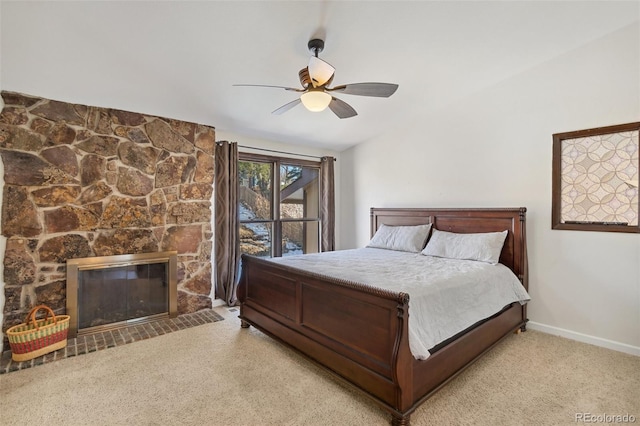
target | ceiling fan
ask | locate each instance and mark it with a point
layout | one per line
(316, 95)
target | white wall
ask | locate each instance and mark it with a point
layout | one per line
(494, 149)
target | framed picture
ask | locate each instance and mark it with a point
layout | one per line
(595, 179)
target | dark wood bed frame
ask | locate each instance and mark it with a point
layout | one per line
(360, 333)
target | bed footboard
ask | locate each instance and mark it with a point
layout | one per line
(357, 332)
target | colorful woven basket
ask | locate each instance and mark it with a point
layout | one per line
(34, 338)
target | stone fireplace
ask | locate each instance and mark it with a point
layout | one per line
(83, 181)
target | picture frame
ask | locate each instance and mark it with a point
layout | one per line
(595, 179)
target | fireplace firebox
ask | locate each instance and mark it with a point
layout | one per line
(113, 291)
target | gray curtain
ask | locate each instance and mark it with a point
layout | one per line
(327, 205)
(227, 243)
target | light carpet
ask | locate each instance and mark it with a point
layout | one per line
(220, 374)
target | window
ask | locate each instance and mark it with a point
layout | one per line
(278, 219)
(595, 179)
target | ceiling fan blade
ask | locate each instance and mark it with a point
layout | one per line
(380, 90)
(341, 108)
(275, 87)
(321, 72)
(286, 107)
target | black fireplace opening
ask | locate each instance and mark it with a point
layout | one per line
(123, 293)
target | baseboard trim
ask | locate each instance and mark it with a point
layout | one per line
(585, 338)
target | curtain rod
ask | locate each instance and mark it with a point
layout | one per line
(282, 152)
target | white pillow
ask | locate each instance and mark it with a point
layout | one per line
(484, 247)
(401, 238)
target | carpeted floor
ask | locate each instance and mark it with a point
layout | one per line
(220, 374)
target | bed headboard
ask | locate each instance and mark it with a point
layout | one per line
(460, 220)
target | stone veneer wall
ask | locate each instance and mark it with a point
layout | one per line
(85, 181)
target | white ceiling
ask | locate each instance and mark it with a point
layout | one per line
(180, 59)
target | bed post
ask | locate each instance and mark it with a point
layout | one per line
(241, 292)
(524, 273)
(403, 366)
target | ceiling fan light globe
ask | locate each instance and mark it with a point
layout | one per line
(316, 101)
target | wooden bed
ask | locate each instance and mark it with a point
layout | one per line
(359, 333)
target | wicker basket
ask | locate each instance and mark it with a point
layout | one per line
(35, 338)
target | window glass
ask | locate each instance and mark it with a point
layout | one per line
(299, 192)
(255, 239)
(255, 192)
(300, 237)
